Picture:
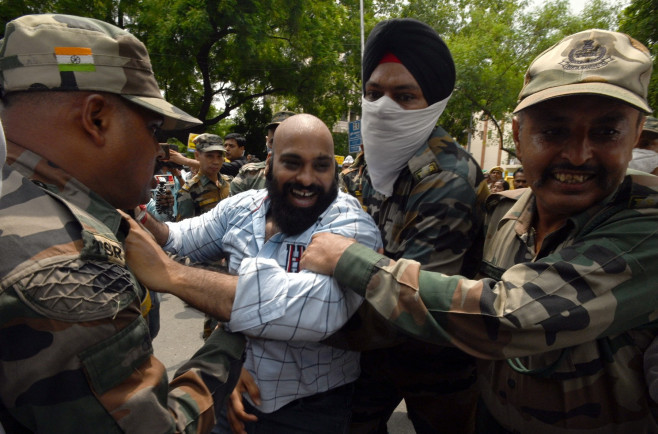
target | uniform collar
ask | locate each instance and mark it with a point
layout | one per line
(56, 180)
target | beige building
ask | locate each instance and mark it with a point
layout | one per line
(484, 144)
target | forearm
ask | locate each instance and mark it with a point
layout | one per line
(209, 291)
(159, 230)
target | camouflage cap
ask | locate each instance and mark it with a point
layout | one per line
(651, 125)
(209, 142)
(278, 118)
(69, 53)
(596, 62)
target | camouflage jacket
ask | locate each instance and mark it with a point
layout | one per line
(250, 177)
(200, 195)
(561, 331)
(352, 178)
(76, 354)
(436, 212)
(434, 216)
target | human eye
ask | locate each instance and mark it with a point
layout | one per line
(290, 164)
(554, 132)
(323, 166)
(405, 97)
(154, 127)
(372, 95)
(605, 134)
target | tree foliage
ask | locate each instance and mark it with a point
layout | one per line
(639, 20)
(213, 56)
(249, 58)
(492, 43)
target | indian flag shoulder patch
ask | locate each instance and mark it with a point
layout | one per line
(75, 59)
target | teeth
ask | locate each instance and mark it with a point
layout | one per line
(570, 178)
(303, 193)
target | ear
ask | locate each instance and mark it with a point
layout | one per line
(96, 115)
(515, 135)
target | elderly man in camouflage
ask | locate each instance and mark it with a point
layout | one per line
(566, 304)
(426, 194)
(204, 191)
(80, 105)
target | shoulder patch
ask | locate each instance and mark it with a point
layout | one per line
(426, 171)
(98, 246)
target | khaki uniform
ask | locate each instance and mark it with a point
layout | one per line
(199, 195)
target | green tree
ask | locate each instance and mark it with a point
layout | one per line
(492, 43)
(639, 20)
(212, 56)
(228, 53)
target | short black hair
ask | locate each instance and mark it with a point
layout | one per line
(242, 142)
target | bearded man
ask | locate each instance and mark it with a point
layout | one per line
(262, 234)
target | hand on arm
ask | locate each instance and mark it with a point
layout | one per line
(208, 291)
(322, 255)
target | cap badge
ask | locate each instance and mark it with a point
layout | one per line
(75, 59)
(588, 56)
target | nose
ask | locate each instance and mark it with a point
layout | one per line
(305, 175)
(159, 153)
(578, 150)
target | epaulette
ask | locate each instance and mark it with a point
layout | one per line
(423, 165)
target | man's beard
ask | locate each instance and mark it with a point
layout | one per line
(293, 220)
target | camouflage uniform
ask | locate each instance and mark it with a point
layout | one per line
(352, 178)
(76, 354)
(199, 195)
(435, 216)
(561, 334)
(250, 177)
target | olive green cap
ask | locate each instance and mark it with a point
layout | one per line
(55, 52)
(279, 117)
(595, 62)
(209, 142)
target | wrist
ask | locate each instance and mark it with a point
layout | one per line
(141, 215)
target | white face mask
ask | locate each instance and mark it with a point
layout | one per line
(392, 135)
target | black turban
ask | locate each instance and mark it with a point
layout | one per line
(420, 49)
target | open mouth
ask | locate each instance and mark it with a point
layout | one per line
(572, 178)
(302, 197)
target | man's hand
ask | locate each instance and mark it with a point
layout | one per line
(164, 200)
(235, 408)
(322, 255)
(178, 158)
(147, 260)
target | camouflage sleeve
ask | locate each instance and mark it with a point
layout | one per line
(599, 286)
(251, 176)
(184, 205)
(76, 353)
